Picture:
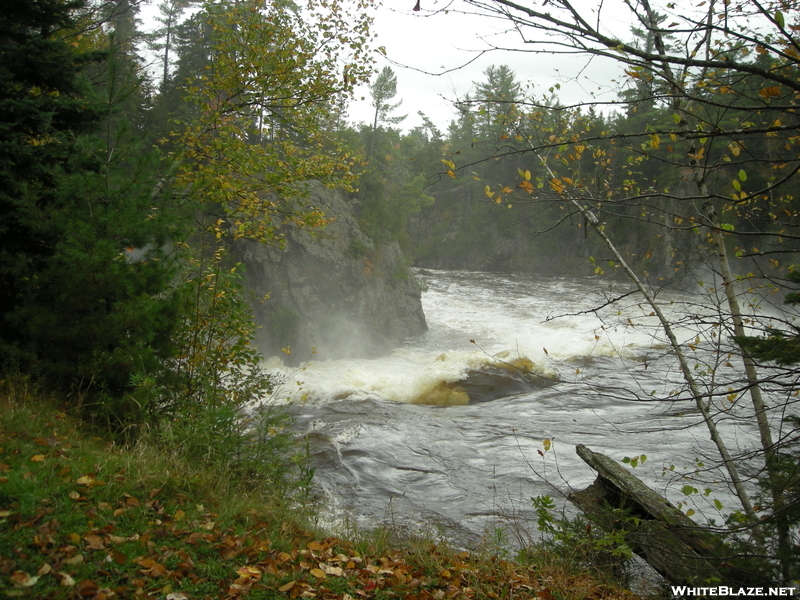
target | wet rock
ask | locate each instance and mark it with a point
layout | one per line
(491, 381)
(331, 291)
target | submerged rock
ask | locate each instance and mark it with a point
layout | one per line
(331, 292)
(491, 381)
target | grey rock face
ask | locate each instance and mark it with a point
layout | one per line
(332, 289)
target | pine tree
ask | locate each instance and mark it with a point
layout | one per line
(42, 108)
(383, 90)
(86, 252)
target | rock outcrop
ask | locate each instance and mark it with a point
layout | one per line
(332, 290)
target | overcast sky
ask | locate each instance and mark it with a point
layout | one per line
(438, 54)
(432, 41)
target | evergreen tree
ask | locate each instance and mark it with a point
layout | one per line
(42, 109)
(497, 98)
(86, 256)
(164, 38)
(383, 90)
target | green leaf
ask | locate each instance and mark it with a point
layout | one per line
(688, 490)
(676, 117)
(742, 175)
(779, 19)
(726, 226)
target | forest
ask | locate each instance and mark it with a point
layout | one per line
(124, 185)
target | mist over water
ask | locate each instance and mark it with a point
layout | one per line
(395, 443)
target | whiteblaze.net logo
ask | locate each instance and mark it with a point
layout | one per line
(724, 590)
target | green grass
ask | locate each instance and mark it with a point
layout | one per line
(84, 518)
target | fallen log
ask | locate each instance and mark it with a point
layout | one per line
(682, 551)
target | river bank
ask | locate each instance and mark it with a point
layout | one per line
(86, 518)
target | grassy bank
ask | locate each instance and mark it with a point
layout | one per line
(84, 518)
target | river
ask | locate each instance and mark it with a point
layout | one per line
(394, 444)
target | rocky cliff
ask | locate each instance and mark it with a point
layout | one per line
(331, 289)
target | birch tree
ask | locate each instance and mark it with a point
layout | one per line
(725, 76)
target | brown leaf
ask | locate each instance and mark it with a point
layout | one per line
(37, 458)
(249, 572)
(335, 571)
(21, 579)
(119, 539)
(316, 546)
(93, 541)
(87, 588)
(157, 570)
(144, 561)
(287, 586)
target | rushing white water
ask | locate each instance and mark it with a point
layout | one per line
(395, 444)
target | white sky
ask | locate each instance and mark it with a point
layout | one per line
(434, 42)
(426, 48)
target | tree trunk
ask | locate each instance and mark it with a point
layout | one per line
(762, 420)
(678, 548)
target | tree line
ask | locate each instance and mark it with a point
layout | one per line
(120, 193)
(691, 177)
(687, 178)
(122, 187)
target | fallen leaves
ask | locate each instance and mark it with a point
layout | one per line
(21, 579)
(159, 561)
(90, 540)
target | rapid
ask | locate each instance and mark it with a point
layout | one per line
(452, 434)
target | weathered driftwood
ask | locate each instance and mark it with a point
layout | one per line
(674, 545)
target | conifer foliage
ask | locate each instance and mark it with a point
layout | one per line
(118, 202)
(76, 196)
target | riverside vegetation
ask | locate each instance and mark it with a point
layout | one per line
(131, 462)
(121, 193)
(193, 515)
